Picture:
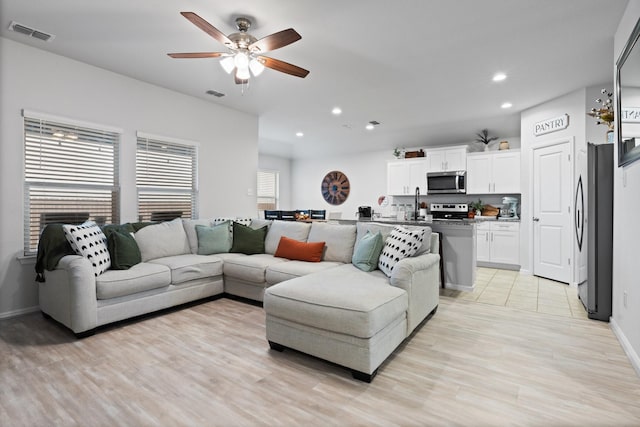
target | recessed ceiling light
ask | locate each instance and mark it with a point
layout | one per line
(336, 111)
(299, 134)
(506, 105)
(369, 126)
(498, 77)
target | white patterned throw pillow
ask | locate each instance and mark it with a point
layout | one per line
(401, 243)
(88, 240)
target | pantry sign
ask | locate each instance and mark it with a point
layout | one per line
(551, 125)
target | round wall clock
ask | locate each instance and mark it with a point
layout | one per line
(335, 187)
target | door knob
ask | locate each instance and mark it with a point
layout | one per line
(536, 219)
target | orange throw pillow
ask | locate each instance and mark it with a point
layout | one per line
(302, 251)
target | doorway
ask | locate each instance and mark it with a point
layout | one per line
(552, 185)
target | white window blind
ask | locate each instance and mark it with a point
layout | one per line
(71, 175)
(166, 179)
(267, 190)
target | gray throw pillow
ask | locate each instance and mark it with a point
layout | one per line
(367, 251)
(214, 240)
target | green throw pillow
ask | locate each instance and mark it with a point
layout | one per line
(123, 250)
(214, 240)
(248, 241)
(121, 228)
(367, 251)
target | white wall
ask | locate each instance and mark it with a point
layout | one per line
(367, 173)
(39, 81)
(626, 229)
(283, 166)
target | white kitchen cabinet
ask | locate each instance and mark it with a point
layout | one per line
(498, 242)
(493, 173)
(403, 176)
(446, 159)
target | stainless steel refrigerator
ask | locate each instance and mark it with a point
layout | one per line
(597, 189)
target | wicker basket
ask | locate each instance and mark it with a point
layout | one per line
(412, 154)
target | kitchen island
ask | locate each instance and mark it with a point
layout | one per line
(458, 240)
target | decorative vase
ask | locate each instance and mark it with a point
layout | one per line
(486, 147)
(610, 136)
(504, 145)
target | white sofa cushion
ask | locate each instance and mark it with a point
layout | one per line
(141, 277)
(190, 267)
(339, 240)
(162, 240)
(291, 229)
(250, 268)
(282, 271)
(192, 235)
(343, 299)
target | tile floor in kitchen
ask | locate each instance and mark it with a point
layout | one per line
(512, 289)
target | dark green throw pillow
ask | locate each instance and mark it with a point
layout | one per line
(121, 228)
(123, 250)
(248, 241)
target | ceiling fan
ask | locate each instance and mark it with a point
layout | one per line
(245, 56)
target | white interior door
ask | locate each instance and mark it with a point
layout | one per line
(552, 238)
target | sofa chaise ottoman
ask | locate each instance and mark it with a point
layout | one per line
(350, 317)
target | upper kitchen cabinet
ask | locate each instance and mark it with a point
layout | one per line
(446, 159)
(493, 173)
(403, 176)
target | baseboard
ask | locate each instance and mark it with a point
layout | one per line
(456, 287)
(626, 345)
(19, 312)
(498, 265)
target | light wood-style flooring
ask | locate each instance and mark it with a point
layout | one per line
(472, 364)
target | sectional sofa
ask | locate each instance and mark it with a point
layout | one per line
(339, 306)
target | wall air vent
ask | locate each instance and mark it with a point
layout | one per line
(215, 93)
(31, 32)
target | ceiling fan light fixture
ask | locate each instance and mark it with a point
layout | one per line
(243, 74)
(256, 67)
(228, 64)
(241, 59)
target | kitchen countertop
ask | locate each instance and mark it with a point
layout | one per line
(462, 222)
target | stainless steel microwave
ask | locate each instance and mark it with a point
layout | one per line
(453, 182)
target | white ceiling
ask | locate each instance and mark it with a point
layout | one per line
(422, 68)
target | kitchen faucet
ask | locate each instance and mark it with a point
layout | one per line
(416, 206)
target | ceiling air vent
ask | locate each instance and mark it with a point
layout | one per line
(31, 32)
(215, 93)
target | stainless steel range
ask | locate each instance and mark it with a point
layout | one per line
(450, 211)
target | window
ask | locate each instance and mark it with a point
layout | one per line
(268, 183)
(71, 175)
(166, 179)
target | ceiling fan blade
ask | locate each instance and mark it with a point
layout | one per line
(207, 28)
(275, 40)
(284, 67)
(196, 55)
